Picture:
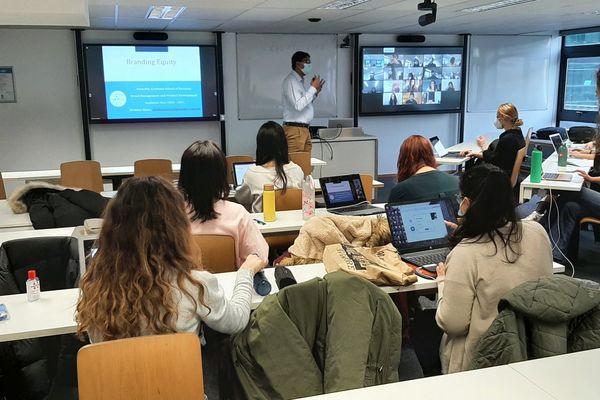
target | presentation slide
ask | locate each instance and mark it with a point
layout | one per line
(151, 83)
(144, 81)
(339, 192)
(410, 79)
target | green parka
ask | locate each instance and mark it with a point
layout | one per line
(321, 336)
(549, 316)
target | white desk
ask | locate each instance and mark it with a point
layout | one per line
(5, 236)
(565, 377)
(551, 165)
(10, 221)
(457, 161)
(497, 383)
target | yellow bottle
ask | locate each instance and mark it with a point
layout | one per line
(269, 203)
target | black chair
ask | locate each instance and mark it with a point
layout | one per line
(43, 368)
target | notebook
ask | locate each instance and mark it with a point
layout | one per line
(419, 232)
(345, 195)
(441, 151)
(239, 170)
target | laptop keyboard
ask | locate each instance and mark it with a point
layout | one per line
(452, 154)
(358, 209)
(427, 259)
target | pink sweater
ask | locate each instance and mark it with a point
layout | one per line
(235, 221)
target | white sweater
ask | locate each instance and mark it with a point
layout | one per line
(227, 316)
(250, 193)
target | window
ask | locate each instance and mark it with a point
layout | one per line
(580, 62)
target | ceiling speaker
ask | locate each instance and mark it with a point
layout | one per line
(157, 36)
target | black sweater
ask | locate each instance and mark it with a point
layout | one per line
(505, 151)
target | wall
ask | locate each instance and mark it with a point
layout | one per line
(392, 130)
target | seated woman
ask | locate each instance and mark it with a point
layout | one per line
(145, 280)
(418, 178)
(203, 182)
(273, 166)
(503, 152)
(487, 261)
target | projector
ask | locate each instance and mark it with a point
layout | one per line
(426, 5)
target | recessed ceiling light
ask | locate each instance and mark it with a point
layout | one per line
(595, 12)
(164, 12)
(341, 4)
(494, 6)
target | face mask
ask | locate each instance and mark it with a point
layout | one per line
(307, 69)
(498, 124)
(460, 213)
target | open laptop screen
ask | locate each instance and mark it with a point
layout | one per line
(556, 141)
(239, 170)
(340, 191)
(438, 147)
(420, 225)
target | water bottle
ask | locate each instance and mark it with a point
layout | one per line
(33, 286)
(563, 154)
(269, 203)
(308, 198)
(536, 165)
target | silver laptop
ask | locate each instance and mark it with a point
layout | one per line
(345, 195)
(440, 150)
(239, 170)
(558, 141)
(419, 232)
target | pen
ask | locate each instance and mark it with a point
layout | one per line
(260, 222)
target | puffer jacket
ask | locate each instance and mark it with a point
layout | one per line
(549, 316)
(320, 336)
(54, 206)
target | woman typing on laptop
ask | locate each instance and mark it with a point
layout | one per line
(487, 261)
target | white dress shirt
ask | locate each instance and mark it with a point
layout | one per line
(297, 101)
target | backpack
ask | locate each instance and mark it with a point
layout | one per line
(544, 133)
(582, 134)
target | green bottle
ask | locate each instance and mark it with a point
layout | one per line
(536, 165)
(563, 154)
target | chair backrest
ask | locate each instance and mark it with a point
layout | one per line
(153, 167)
(367, 182)
(302, 158)
(2, 190)
(217, 252)
(148, 367)
(290, 200)
(235, 159)
(514, 177)
(84, 174)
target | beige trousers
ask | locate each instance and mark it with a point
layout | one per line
(298, 139)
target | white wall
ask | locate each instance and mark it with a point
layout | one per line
(392, 130)
(43, 128)
(481, 123)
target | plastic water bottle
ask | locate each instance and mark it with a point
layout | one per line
(269, 203)
(563, 154)
(33, 286)
(536, 165)
(308, 198)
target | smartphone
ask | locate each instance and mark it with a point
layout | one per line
(430, 268)
(3, 313)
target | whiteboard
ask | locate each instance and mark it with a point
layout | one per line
(263, 62)
(512, 69)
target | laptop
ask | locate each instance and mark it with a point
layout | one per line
(557, 141)
(441, 151)
(344, 195)
(239, 170)
(419, 232)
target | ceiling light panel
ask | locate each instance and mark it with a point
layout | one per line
(494, 6)
(341, 4)
(164, 12)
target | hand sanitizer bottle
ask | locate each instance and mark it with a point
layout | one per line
(33, 286)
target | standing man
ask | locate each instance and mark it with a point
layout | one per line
(297, 103)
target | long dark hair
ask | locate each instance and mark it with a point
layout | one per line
(492, 207)
(597, 137)
(203, 178)
(272, 145)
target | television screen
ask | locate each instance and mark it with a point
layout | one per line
(396, 80)
(151, 83)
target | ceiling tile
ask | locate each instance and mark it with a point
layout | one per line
(269, 14)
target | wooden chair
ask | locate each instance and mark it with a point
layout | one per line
(302, 158)
(367, 183)
(217, 252)
(235, 159)
(82, 174)
(154, 167)
(514, 177)
(2, 190)
(149, 367)
(290, 200)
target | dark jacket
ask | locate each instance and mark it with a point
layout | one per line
(549, 316)
(504, 153)
(321, 336)
(426, 186)
(53, 206)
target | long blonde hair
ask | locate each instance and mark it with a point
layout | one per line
(145, 256)
(509, 112)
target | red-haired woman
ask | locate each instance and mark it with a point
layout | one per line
(418, 178)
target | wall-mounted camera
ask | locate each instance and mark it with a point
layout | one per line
(427, 5)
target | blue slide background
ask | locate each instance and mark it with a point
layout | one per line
(171, 102)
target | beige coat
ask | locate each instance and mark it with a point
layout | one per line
(477, 276)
